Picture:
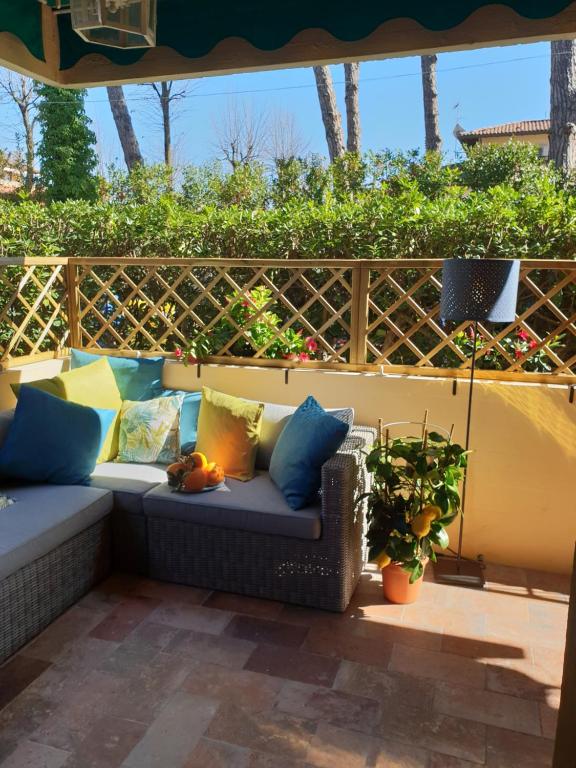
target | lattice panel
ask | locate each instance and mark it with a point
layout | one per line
(157, 307)
(33, 310)
(404, 327)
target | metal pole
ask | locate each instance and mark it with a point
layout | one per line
(467, 443)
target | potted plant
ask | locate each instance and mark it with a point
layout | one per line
(414, 496)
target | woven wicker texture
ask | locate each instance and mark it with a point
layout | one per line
(321, 574)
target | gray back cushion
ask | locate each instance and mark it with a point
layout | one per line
(275, 418)
(5, 421)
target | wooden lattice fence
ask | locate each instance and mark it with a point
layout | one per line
(363, 315)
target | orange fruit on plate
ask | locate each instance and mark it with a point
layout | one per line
(195, 480)
(175, 473)
(214, 474)
(197, 459)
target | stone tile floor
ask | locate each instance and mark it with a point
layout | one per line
(141, 674)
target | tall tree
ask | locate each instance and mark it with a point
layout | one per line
(167, 93)
(563, 104)
(330, 113)
(430, 97)
(22, 92)
(123, 120)
(351, 80)
(66, 147)
(241, 135)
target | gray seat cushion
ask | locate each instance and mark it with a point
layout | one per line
(43, 517)
(128, 482)
(256, 505)
(275, 418)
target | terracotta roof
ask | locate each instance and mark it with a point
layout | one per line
(520, 128)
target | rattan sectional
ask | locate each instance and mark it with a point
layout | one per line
(129, 521)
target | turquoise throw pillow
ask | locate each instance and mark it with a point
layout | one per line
(308, 440)
(52, 440)
(138, 378)
(188, 417)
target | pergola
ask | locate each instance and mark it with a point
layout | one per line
(196, 39)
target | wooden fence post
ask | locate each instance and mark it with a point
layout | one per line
(73, 305)
(359, 314)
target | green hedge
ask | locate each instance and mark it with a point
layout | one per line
(416, 209)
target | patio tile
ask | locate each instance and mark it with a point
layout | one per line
(273, 732)
(30, 754)
(508, 748)
(76, 622)
(487, 707)
(548, 721)
(437, 666)
(192, 617)
(445, 761)
(171, 593)
(383, 686)
(251, 606)
(528, 682)
(86, 653)
(347, 645)
(451, 736)
(333, 747)
(266, 631)
(217, 754)
(17, 674)
(200, 646)
(107, 743)
(345, 710)
(293, 664)
(250, 690)
(149, 634)
(392, 754)
(484, 649)
(174, 733)
(124, 618)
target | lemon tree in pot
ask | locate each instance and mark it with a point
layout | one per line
(413, 498)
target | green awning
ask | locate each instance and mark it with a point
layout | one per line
(195, 38)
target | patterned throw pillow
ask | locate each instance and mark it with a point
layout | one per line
(150, 430)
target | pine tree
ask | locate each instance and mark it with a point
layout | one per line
(66, 148)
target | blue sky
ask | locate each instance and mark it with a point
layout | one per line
(476, 88)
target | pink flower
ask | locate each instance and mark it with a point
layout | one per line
(518, 353)
(178, 353)
(532, 343)
(311, 344)
(523, 335)
(192, 358)
(289, 356)
(304, 356)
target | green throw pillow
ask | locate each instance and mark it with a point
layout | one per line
(150, 430)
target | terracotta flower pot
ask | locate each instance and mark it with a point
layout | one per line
(396, 585)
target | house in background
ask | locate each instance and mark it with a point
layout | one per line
(530, 131)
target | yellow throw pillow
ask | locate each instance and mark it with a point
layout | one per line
(94, 385)
(229, 432)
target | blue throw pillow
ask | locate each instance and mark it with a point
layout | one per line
(138, 378)
(188, 417)
(52, 440)
(308, 440)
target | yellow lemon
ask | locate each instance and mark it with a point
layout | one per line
(432, 511)
(421, 525)
(383, 560)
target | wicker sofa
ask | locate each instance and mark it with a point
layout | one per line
(56, 542)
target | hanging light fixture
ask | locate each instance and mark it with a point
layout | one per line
(117, 23)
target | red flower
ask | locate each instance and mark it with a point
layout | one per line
(523, 335)
(289, 356)
(192, 358)
(178, 353)
(245, 303)
(311, 344)
(532, 343)
(304, 356)
(518, 353)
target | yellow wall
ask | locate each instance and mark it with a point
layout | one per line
(521, 499)
(540, 139)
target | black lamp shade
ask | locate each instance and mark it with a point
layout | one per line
(479, 289)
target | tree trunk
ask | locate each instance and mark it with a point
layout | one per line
(166, 127)
(126, 134)
(29, 139)
(352, 76)
(330, 112)
(563, 104)
(430, 97)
